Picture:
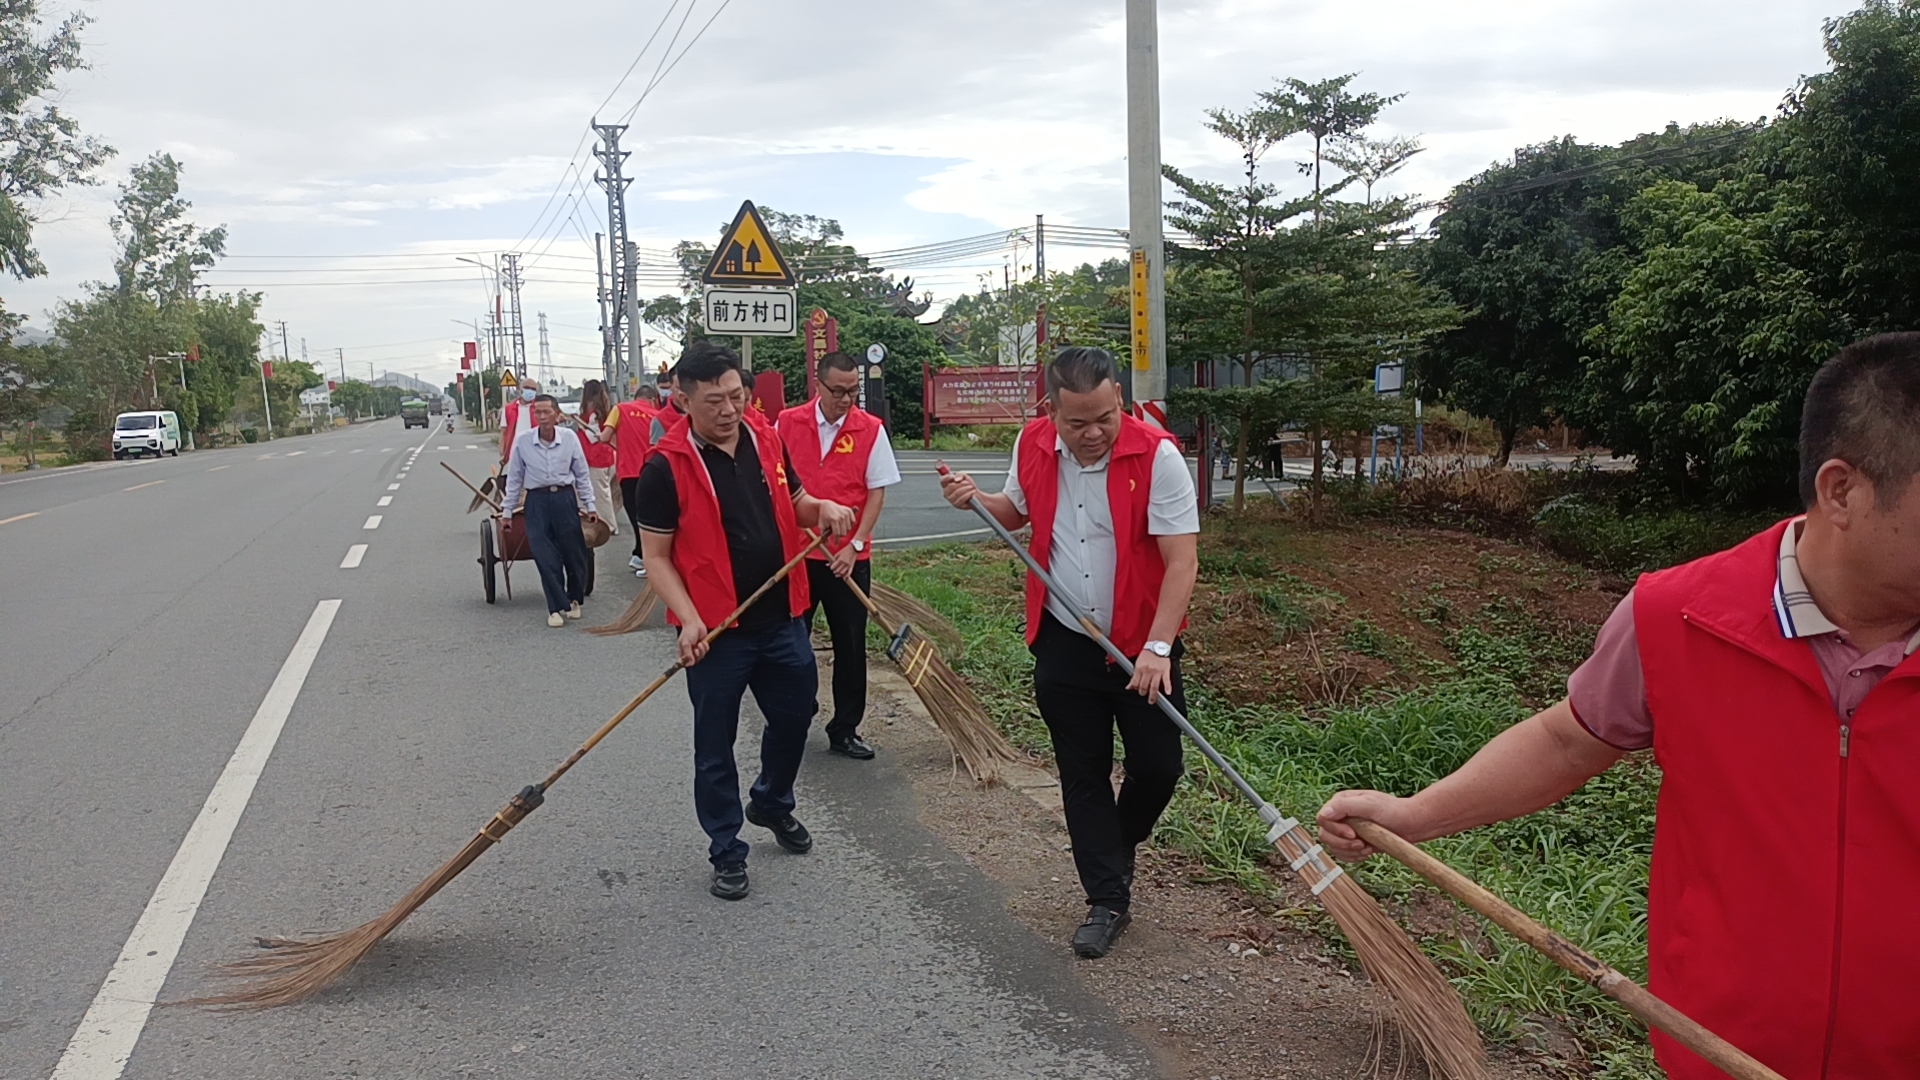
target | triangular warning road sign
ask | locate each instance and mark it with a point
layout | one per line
(747, 254)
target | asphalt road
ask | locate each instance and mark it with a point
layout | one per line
(197, 695)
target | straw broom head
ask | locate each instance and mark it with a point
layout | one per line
(638, 612)
(895, 608)
(975, 739)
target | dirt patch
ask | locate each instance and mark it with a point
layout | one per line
(1217, 983)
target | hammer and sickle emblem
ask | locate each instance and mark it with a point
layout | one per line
(780, 473)
(844, 445)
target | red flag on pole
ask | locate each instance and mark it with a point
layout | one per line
(266, 368)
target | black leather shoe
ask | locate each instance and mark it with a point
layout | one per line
(852, 746)
(787, 830)
(729, 881)
(1096, 936)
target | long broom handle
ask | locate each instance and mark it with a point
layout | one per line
(491, 501)
(1268, 813)
(1652, 1011)
(661, 679)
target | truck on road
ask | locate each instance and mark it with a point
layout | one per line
(413, 413)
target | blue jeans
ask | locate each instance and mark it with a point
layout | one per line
(559, 547)
(777, 663)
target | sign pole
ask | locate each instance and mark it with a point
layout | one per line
(746, 355)
(1144, 210)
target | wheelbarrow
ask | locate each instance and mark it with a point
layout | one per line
(503, 541)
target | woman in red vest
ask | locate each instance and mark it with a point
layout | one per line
(841, 453)
(1116, 522)
(630, 427)
(721, 511)
(1778, 687)
(596, 405)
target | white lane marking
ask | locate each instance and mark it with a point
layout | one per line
(386, 449)
(108, 1033)
(19, 517)
(295, 453)
(324, 453)
(149, 483)
(373, 522)
(385, 500)
(443, 448)
(473, 446)
(262, 457)
(354, 555)
(217, 468)
(362, 450)
(929, 536)
(393, 487)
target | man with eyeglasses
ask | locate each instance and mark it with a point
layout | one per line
(842, 453)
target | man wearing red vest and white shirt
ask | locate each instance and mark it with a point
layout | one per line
(841, 453)
(515, 419)
(1116, 523)
(630, 429)
(1778, 687)
(720, 512)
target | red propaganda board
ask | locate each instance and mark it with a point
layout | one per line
(822, 336)
(983, 395)
(769, 394)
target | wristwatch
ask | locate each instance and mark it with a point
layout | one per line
(1160, 649)
(858, 546)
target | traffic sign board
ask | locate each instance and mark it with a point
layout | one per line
(749, 312)
(747, 255)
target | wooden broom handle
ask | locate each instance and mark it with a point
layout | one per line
(491, 501)
(1652, 1011)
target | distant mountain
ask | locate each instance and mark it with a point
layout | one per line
(29, 335)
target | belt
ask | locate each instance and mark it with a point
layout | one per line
(553, 487)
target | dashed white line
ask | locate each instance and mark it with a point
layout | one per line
(393, 487)
(111, 1028)
(19, 517)
(443, 448)
(386, 449)
(149, 483)
(385, 500)
(354, 555)
(295, 453)
(362, 450)
(373, 522)
(473, 446)
(217, 468)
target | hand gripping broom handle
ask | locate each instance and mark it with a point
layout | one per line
(661, 679)
(1278, 825)
(1651, 1011)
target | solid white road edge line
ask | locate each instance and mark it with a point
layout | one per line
(354, 555)
(108, 1033)
(878, 540)
(373, 522)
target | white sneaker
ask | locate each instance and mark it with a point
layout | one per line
(554, 619)
(641, 573)
(574, 611)
(636, 563)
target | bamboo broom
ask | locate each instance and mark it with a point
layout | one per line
(972, 734)
(1424, 1005)
(293, 970)
(1651, 1011)
(892, 605)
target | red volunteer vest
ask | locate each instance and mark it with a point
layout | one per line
(1137, 566)
(841, 476)
(1786, 854)
(700, 544)
(599, 454)
(631, 438)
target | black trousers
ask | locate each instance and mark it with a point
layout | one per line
(630, 498)
(847, 626)
(1082, 698)
(559, 547)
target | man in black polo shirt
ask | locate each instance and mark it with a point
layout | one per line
(720, 512)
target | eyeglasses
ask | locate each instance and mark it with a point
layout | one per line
(848, 394)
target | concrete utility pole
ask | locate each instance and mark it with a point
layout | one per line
(635, 363)
(516, 331)
(620, 268)
(1143, 203)
(600, 292)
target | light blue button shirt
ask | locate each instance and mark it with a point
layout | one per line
(535, 463)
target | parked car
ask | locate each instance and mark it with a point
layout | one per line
(144, 433)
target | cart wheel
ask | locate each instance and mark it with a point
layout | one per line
(487, 559)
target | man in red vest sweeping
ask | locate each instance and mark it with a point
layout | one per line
(1116, 522)
(721, 511)
(841, 453)
(1777, 685)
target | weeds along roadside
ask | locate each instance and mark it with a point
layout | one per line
(1328, 689)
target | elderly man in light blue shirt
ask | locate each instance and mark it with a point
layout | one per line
(550, 468)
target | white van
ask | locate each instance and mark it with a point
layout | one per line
(143, 433)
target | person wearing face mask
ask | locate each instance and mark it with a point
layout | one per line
(1116, 522)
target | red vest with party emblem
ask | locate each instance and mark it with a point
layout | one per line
(839, 476)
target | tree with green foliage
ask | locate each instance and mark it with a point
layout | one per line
(41, 148)
(1327, 110)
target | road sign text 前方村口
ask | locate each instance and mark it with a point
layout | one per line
(751, 312)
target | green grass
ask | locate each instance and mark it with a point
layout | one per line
(1579, 866)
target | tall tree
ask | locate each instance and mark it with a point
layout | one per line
(41, 148)
(162, 251)
(1327, 110)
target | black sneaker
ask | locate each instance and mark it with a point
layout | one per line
(852, 746)
(787, 830)
(729, 881)
(1096, 936)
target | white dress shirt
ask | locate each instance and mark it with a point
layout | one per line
(536, 463)
(1082, 557)
(882, 469)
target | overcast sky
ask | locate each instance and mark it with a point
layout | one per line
(321, 134)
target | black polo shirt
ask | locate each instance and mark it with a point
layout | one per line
(746, 513)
